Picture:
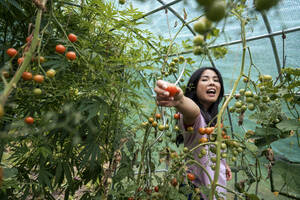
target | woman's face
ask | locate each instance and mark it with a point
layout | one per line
(208, 88)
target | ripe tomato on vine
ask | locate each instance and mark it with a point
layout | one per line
(191, 176)
(60, 48)
(26, 76)
(29, 120)
(11, 52)
(71, 55)
(38, 78)
(72, 37)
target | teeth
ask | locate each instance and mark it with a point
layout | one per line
(211, 91)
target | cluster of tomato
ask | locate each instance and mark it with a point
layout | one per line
(246, 100)
(39, 78)
(171, 69)
(70, 55)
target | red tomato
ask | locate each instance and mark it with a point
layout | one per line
(29, 38)
(157, 116)
(38, 78)
(72, 37)
(60, 48)
(156, 188)
(176, 116)
(174, 182)
(201, 131)
(71, 55)
(172, 90)
(26, 76)
(29, 120)
(20, 60)
(130, 198)
(191, 176)
(11, 52)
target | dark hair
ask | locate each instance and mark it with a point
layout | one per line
(191, 92)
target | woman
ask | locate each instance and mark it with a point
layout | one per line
(198, 107)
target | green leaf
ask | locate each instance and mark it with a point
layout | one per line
(251, 197)
(288, 125)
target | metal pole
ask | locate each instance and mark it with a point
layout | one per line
(268, 26)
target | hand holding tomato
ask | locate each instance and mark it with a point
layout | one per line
(167, 94)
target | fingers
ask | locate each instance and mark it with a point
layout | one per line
(161, 87)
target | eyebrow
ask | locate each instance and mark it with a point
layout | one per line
(208, 76)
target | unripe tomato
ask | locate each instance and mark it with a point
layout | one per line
(175, 60)
(198, 40)
(198, 50)
(26, 76)
(233, 159)
(161, 127)
(249, 99)
(223, 146)
(20, 60)
(190, 129)
(176, 116)
(29, 120)
(151, 119)
(248, 93)
(172, 90)
(71, 55)
(251, 106)
(238, 104)
(203, 152)
(202, 25)
(122, 2)
(186, 150)
(60, 48)
(264, 4)
(37, 91)
(191, 176)
(242, 91)
(72, 37)
(216, 11)
(213, 159)
(174, 155)
(154, 124)
(38, 78)
(181, 59)
(205, 2)
(176, 128)
(223, 155)
(51, 73)
(11, 52)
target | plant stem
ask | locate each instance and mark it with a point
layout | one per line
(13, 83)
(219, 118)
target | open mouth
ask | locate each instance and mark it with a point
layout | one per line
(211, 91)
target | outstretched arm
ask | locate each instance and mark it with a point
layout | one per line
(183, 104)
